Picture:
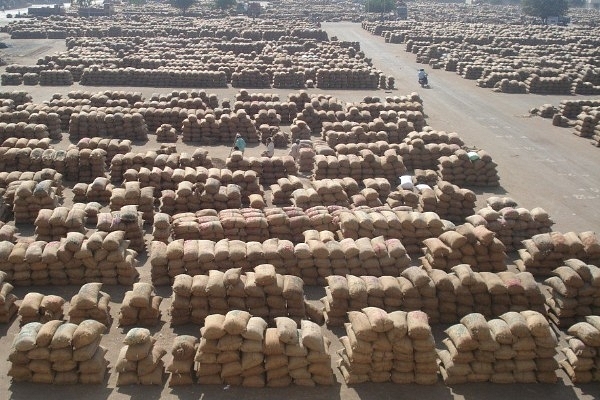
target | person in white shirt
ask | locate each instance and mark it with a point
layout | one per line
(295, 150)
(270, 148)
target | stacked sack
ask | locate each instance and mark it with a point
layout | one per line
(411, 291)
(36, 307)
(8, 232)
(516, 348)
(281, 191)
(140, 306)
(90, 303)
(191, 197)
(582, 362)
(359, 167)
(262, 292)
(325, 192)
(111, 146)
(132, 194)
(238, 349)
(161, 227)
(546, 251)
(268, 169)
(31, 197)
(181, 368)
(8, 308)
(84, 165)
(128, 221)
(574, 292)
(411, 227)
(100, 191)
(476, 246)
(53, 224)
(59, 353)
(473, 168)
(382, 347)
(511, 224)
(464, 291)
(166, 133)
(306, 160)
(107, 124)
(140, 360)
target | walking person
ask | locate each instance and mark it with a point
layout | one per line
(240, 143)
(295, 150)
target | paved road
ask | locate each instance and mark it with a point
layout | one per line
(539, 165)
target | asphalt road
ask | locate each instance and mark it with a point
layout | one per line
(539, 165)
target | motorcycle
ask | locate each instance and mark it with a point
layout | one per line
(424, 82)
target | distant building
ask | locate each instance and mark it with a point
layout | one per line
(56, 9)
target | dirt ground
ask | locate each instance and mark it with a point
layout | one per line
(539, 165)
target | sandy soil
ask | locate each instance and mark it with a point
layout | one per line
(539, 165)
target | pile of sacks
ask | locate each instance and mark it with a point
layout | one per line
(366, 165)
(90, 303)
(268, 169)
(190, 197)
(140, 360)
(133, 194)
(515, 348)
(31, 197)
(582, 362)
(8, 307)
(412, 290)
(59, 353)
(166, 133)
(85, 165)
(238, 349)
(411, 227)
(381, 347)
(421, 150)
(476, 246)
(23, 130)
(181, 368)
(21, 143)
(128, 221)
(473, 168)
(8, 232)
(210, 129)
(8, 178)
(512, 224)
(281, 191)
(325, 192)
(140, 306)
(312, 260)
(53, 224)
(111, 146)
(36, 307)
(107, 123)
(546, 251)
(99, 191)
(574, 292)
(464, 291)
(262, 292)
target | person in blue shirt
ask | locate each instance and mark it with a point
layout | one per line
(240, 143)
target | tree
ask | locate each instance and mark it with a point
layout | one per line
(84, 3)
(225, 4)
(183, 5)
(545, 8)
(381, 6)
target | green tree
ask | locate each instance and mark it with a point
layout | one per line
(545, 8)
(183, 5)
(84, 3)
(377, 6)
(225, 4)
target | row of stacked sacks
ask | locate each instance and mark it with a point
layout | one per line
(475, 246)
(128, 221)
(366, 165)
(313, 260)
(282, 191)
(268, 169)
(72, 260)
(132, 194)
(381, 347)
(21, 143)
(59, 353)
(449, 201)
(325, 192)
(240, 350)
(108, 123)
(510, 223)
(8, 232)
(51, 224)
(90, 302)
(140, 360)
(37, 307)
(76, 165)
(140, 306)
(472, 168)
(111, 146)
(97, 76)
(582, 353)
(209, 129)
(23, 130)
(99, 191)
(349, 132)
(6, 178)
(8, 306)
(445, 297)
(192, 197)
(514, 348)
(262, 292)
(422, 150)
(30, 197)
(544, 252)
(166, 133)
(168, 178)
(573, 292)
(122, 163)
